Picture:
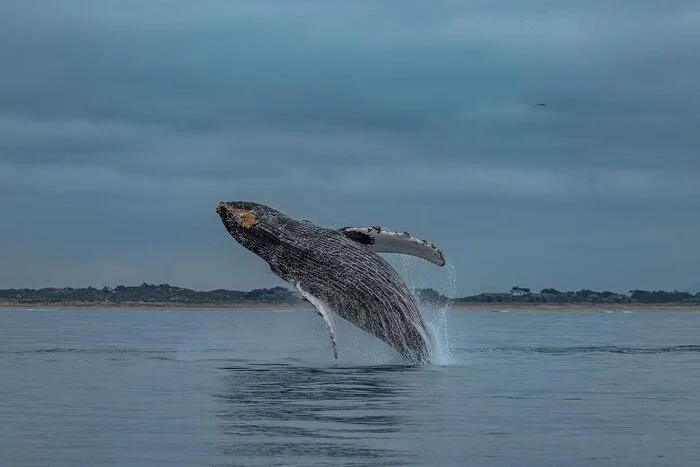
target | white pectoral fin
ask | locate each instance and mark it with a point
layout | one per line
(321, 309)
(386, 241)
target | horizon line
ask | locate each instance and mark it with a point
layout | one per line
(513, 291)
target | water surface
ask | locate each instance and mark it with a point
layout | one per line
(261, 388)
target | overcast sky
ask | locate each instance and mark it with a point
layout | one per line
(124, 123)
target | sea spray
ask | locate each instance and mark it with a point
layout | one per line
(438, 325)
(436, 320)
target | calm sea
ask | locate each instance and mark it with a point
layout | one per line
(187, 388)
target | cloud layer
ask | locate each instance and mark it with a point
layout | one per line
(122, 125)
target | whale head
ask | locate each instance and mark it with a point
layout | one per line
(259, 228)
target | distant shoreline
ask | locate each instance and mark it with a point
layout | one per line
(168, 297)
(254, 307)
(151, 306)
(579, 307)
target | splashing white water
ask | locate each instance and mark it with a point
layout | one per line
(436, 320)
(438, 325)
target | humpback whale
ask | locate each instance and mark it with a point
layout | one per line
(340, 270)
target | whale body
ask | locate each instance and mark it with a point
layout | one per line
(340, 270)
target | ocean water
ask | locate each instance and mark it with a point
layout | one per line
(215, 388)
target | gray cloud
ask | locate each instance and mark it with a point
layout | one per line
(134, 116)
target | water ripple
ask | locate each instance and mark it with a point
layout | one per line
(338, 412)
(588, 349)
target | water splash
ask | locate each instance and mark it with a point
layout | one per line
(438, 325)
(436, 320)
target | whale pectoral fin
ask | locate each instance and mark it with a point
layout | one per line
(386, 241)
(322, 309)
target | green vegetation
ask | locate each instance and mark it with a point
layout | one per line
(164, 294)
(553, 296)
(147, 294)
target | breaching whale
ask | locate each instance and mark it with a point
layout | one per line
(340, 270)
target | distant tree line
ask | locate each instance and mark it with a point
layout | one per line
(146, 294)
(551, 295)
